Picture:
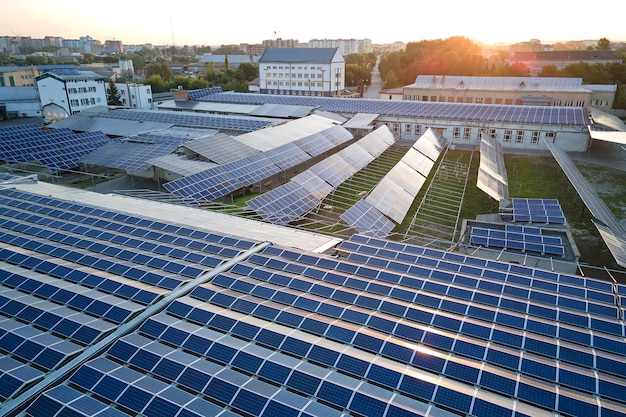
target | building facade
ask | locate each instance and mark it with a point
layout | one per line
(74, 92)
(345, 46)
(135, 96)
(302, 71)
(543, 91)
(14, 76)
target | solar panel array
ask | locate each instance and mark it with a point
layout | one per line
(520, 238)
(134, 154)
(492, 177)
(222, 180)
(537, 210)
(289, 202)
(220, 148)
(418, 109)
(198, 120)
(382, 329)
(394, 194)
(608, 225)
(70, 274)
(57, 149)
(203, 92)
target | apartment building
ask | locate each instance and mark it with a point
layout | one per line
(71, 89)
(302, 71)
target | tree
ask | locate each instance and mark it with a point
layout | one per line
(114, 98)
(604, 44)
(391, 81)
(162, 69)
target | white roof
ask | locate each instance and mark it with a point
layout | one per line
(531, 84)
(273, 137)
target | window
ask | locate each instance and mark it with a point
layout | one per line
(407, 129)
(492, 133)
(418, 130)
(520, 136)
(84, 101)
(456, 133)
(550, 136)
(467, 133)
(73, 102)
(479, 100)
(507, 135)
(535, 138)
(72, 90)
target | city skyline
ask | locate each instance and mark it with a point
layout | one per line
(482, 20)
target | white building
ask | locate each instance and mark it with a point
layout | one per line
(302, 71)
(345, 46)
(135, 96)
(71, 89)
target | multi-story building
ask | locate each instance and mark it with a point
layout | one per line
(345, 46)
(302, 71)
(113, 46)
(14, 76)
(136, 96)
(71, 89)
(547, 91)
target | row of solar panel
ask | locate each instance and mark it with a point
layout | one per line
(388, 347)
(56, 149)
(427, 297)
(219, 181)
(394, 194)
(493, 357)
(235, 123)
(524, 246)
(450, 261)
(289, 202)
(520, 236)
(82, 213)
(458, 111)
(492, 176)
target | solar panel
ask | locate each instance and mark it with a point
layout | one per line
(421, 109)
(366, 219)
(220, 148)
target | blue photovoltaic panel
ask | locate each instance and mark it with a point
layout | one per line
(186, 119)
(367, 220)
(55, 149)
(421, 109)
(537, 211)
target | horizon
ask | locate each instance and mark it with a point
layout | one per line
(483, 21)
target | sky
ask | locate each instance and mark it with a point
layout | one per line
(224, 22)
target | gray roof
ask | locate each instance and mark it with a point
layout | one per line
(26, 93)
(499, 83)
(324, 55)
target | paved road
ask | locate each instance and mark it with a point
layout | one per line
(373, 90)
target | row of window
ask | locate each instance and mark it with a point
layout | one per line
(293, 67)
(465, 133)
(81, 90)
(295, 92)
(289, 76)
(295, 84)
(493, 100)
(85, 102)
